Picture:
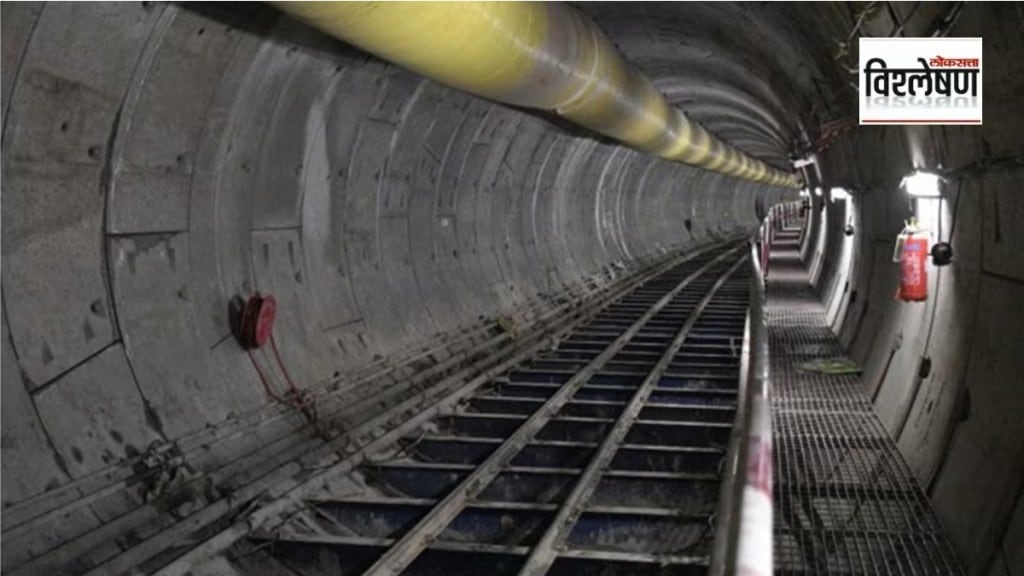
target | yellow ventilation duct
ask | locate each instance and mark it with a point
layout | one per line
(537, 55)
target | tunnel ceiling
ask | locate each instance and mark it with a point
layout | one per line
(745, 71)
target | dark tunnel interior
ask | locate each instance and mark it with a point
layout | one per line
(162, 161)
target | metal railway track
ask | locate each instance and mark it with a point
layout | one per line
(598, 455)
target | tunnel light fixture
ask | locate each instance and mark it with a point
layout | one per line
(839, 194)
(805, 193)
(817, 191)
(920, 184)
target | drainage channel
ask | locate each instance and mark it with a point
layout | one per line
(598, 455)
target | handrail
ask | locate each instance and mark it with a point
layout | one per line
(744, 537)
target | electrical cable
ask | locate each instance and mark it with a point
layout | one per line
(295, 398)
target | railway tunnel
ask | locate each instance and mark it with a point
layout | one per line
(516, 328)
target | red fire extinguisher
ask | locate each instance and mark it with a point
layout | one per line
(912, 253)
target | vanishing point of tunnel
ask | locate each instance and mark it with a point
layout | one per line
(610, 288)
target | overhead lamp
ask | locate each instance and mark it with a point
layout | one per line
(817, 191)
(922, 184)
(804, 193)
(839, 194)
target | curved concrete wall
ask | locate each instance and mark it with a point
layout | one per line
(160, 160)
(946, 374)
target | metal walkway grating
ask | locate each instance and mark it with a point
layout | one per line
(845, 500)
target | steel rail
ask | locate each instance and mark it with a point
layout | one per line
(543, 554)
(426, 530)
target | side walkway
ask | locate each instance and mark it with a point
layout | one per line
(845, 500)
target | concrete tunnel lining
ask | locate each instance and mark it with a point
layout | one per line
(161, 159)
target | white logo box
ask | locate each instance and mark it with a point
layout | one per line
(920, 81)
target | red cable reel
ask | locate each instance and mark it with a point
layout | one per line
(255, 328)
(257, 321)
